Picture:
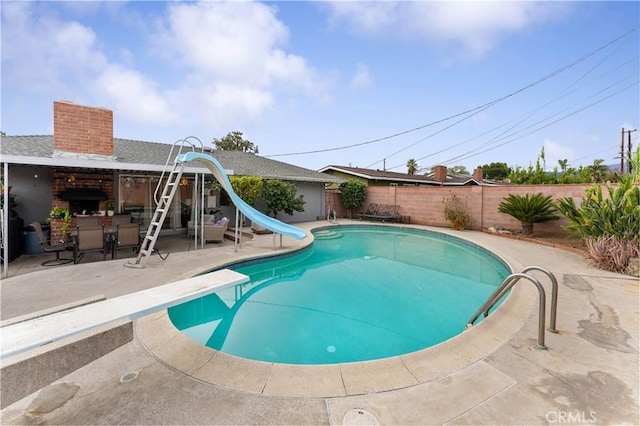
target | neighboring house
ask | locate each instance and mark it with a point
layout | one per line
(385, 178)
(82, 167)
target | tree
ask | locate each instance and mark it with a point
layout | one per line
(353, 194)
(529, 209)
(497, 171)
(235, 142)
(281, 196)
(460, 170)
(597, 170)
(249, 188)
(412, 166)
(563, 165)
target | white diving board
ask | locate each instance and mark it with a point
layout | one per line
(40, 331)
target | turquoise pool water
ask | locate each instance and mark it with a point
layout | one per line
(358, 293)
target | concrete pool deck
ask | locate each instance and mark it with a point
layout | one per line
(491, 374)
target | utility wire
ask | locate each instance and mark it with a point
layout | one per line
(487, 105)
(463, 157)
(503, 135)
(568, 91)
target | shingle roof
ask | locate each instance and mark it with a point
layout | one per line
(129, 153)
(383, 175)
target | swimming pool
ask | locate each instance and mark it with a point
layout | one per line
(358, 293)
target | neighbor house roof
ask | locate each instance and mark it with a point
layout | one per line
(148, 156)
(399, 178)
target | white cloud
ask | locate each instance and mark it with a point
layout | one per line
(44, 54)
(362, 79)
(135, 96)
(239, 43)
(226, 61)
(554, 151)
(476, 26)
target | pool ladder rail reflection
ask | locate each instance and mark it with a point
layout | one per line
(510, 282)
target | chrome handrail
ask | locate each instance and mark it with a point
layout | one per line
(554, 294)
(509, 282)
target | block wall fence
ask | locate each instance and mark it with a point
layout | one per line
(425, 204)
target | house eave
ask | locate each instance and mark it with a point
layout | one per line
(93, 164)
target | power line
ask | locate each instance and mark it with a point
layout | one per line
(465, 156)
(503, 135)
(472, 110)
(487, 105)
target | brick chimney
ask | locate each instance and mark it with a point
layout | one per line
(82, 129)
(441, 173)
(477, 174)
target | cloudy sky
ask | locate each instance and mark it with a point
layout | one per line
(367, 84)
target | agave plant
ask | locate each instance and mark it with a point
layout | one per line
(529, 209)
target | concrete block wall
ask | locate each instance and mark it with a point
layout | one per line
(425, 204)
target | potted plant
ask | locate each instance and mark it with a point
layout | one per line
(110, 206)
(455, 211)
(215, 188)
(63, 214)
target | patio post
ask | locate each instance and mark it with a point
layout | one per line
(5, 222)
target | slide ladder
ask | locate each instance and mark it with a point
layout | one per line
(510, 282)
(162, 208)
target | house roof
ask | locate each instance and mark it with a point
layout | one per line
(148, 156)
(404, 178)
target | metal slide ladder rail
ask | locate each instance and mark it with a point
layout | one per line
(163, 202)
(162, 208)
(510, 282)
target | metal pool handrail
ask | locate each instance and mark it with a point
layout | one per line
(510, 282)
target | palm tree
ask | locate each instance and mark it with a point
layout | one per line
(529, 209)
(563, 165)
(597, 170)
(412, 166)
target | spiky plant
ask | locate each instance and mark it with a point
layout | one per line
(610, 225)
(529, 209)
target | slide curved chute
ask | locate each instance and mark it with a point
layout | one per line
(252, 214)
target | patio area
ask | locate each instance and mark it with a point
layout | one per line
(491, 374)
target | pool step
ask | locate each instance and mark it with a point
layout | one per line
(327, 235)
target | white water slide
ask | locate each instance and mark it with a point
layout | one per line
(252, 214)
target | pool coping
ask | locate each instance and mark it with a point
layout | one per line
(174, 349)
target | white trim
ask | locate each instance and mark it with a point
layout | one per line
(93, 164)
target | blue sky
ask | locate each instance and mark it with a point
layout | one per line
(458, 83)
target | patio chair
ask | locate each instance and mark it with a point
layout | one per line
(88, 239)
(212, 231)
(48, 247)
(87, 221)
(120, 219)
(127, 236)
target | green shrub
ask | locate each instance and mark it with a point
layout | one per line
(249, 188)
(353, 193)
(529, 209)
(618, 214)
(281, 196)
(456, 212)
(609, 225)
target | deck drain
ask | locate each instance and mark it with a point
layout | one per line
(132, 375)
(358, 416)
